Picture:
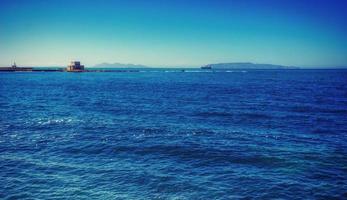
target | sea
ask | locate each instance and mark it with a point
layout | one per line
(174, 134)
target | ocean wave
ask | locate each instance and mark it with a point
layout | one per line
(56, 121)
(204, 155)
(214, 114)
(235, 115)
(262, 135)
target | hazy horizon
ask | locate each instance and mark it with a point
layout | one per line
(173, 33)
(166, 66)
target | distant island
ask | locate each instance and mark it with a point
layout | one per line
(118, 65)
(246, 65)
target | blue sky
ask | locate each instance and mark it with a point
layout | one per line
(173, 32)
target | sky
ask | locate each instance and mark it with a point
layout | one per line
(163, 33)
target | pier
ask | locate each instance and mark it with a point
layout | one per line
(14, 68)
(74, 66)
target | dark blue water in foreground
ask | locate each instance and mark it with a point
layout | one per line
(156, 135)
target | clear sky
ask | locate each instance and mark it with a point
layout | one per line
(173, 32)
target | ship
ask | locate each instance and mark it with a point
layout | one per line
(206, 67)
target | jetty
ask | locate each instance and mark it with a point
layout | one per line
(74, 66)
(14, 68)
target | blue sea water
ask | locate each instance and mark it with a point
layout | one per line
(257, 134)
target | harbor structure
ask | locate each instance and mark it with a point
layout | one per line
(15, 68)
(75, 66)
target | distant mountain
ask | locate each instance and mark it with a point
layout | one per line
(245, 65)
(118, 65)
